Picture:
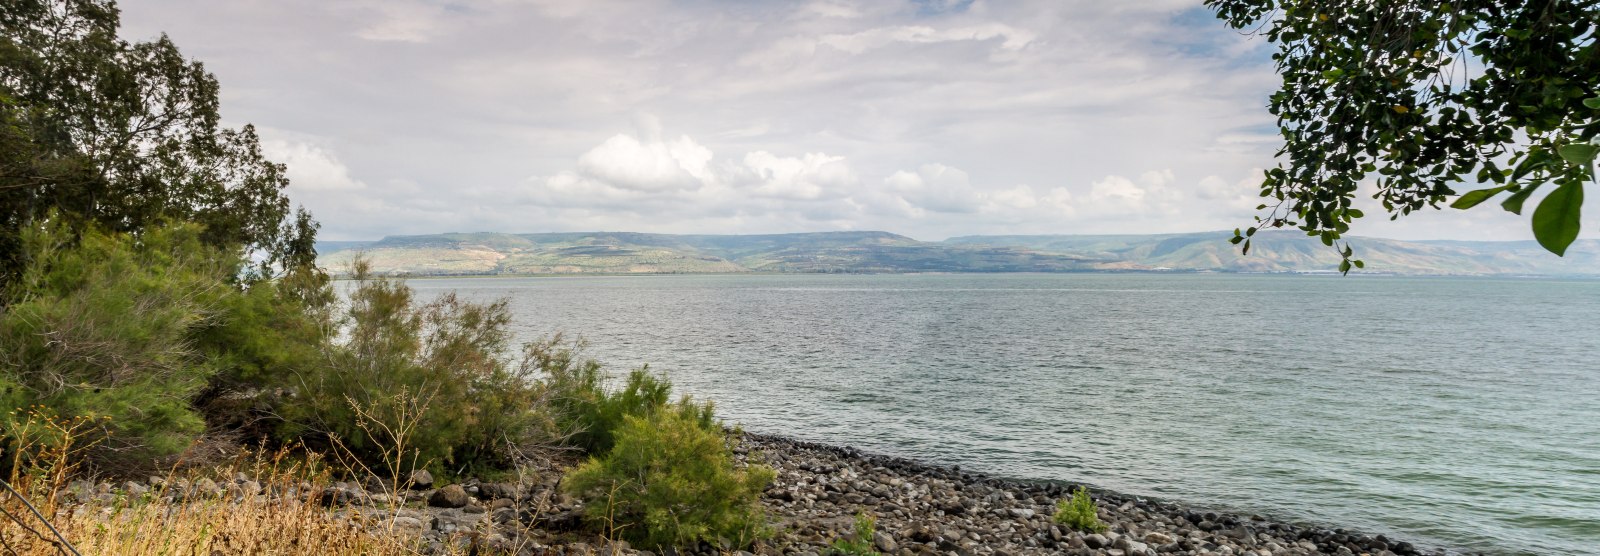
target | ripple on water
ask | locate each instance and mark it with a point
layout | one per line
(1455, 412)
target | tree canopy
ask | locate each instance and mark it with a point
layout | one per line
(97, 129)
(1501, 95)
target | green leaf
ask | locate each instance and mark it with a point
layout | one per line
(1514, 202)
(1359, 264)
(1344, 266)
(1473, 198)
(1592, 103)
(1556, 221)
(1333, 74)
(1579, 153)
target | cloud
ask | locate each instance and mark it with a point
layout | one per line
(931, 119)
(809, 177)
(310, 167)
(624, 162)
(937, 188)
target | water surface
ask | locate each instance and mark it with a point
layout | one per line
(1450, 412)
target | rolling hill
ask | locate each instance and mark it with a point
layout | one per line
(642, 253)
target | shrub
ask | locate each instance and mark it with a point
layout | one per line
(669, 482)
(440, 365)
(1079, 513)
(104, 329)
(860, 542)
(588, 411)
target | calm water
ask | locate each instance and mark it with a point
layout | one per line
(1456, 412)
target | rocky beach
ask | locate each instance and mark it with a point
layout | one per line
(919, 509)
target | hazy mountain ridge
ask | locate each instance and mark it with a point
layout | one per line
(872, 251)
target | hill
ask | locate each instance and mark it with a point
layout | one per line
(868, 251)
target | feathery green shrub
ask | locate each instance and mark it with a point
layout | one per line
(442, 367)
(588, 411)
(102, 326)
(670, 482)
(860, 541)
(1079, 513)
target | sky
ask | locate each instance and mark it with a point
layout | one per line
(931, 118)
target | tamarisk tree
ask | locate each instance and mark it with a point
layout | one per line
(1499, 96)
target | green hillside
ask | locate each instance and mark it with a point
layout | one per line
(640, 253)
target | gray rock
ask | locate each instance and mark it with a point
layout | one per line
(884, 542)
(408, 524)
(1096, 540)
(421, 479)
(207, 487)
(493, 491)
(1157, 538)
(452, 496)
(135, 489)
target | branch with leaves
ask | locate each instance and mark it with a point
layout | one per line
(1424, 97)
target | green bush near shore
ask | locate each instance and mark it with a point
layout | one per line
(104, 328)
(589, 412)
(670, 482)
(1079, 513)
(860, 541)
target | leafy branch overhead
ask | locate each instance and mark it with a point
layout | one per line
(1424, 97)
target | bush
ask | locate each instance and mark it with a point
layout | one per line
(669, 482)
(860, 543)
(439, 368)
(1079, 513)
(104, 329)
(589, 412)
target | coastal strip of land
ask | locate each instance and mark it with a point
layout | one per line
(818, 495)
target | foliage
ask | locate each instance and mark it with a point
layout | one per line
(860, 544)
(1424, 96)
(472, 407)
(284, 519)
(124, 135)
(590, 413)
(669, 482)
(1079, 513)
(104, 330)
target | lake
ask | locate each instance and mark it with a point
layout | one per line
(1451, 412)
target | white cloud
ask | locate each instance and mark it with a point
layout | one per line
(937, 188)
(856, 43)
(309, 167)
(831, 8)
(809, 177)
(929, 119)
(625, 162)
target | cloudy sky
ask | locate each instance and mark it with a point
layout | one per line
(931, 118)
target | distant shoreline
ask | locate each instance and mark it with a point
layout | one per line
(1352, 275)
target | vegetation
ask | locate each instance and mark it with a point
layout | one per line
(106, 330)
(1079, 513)
(590, 413)
(440, 367)
(1425, 96)
(860, 541)
(105, 133)
(283, 519)
(670, 482)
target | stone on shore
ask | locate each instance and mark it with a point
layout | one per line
(452, 496)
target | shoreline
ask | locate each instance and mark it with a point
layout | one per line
(819, 489)
(1138, 525)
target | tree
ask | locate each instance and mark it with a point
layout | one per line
(1427, 96)
(123, 135)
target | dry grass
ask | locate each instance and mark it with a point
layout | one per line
(205, 528)
(277, 512)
